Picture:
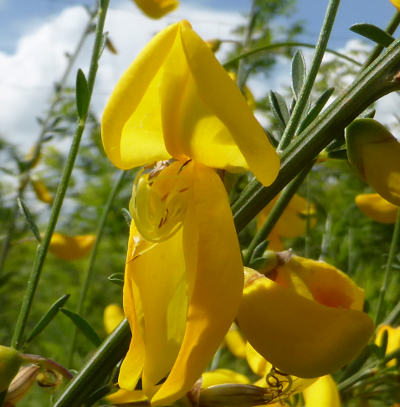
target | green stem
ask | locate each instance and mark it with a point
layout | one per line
(97, 369)
(61, 190)
(286, 44)
(308, 84)
(388, 268)
(373, 83)
(390, 29)
(276, 212)
(89, 274)
(44, 128)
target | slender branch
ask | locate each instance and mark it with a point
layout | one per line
(308, 84)
(388, 269)
(89, 274)
(276, 212)
(287, 44)
(61, 190)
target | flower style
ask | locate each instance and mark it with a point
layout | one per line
(373, 150)
(71, 247)
(292, 223)
(308, 322)
(377, 208)
(184, 275)
(157, 8)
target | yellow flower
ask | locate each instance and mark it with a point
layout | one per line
(113, 316)
(323, 392)
(176, 100)
(71, 247)
(292, 223)
(41, 192)
(373, 150)
(184, 275)
(393, 340)
(377, 208)
(396, 3)
(310, 325)
(157, 8)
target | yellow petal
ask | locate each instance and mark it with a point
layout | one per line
(375, 152)
(377, 208)
(41, 192)
(157, 8)
(131, 123)
(222, 376)
(113, 316)
(224, 100)
(393, 340)
(71, 247)
(122, 397)
(256, 362)
(235, 342)
(322, 393)
(396, 3)
(298, 335)
(327, 285)
(212, 258)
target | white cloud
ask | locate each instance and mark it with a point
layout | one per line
(39, 60)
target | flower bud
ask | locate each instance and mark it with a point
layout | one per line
(10, 361)
(22, 383)
(373, 150)
(214, 44)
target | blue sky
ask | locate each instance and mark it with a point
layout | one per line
(18, 17)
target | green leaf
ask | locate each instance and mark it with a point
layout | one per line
(374, 33)
(117, 278)
(279, 108)
(47, 317)
(83, 326)
(82, 94)
(29, 219)
(316, 109)
(298, 72)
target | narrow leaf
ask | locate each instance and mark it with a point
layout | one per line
(47, 317)
(298, 72)
(127, 216)
(279, 108)
(83, 326)
(117, 278)
(29, 219)
(316, 109)
(82, 94)
(373, 33)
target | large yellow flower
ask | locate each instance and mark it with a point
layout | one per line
(184, 275)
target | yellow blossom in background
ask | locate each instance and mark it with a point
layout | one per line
(71, 247)
(30, 154)
(375, 152)
(297, 334)
(292, 223)
(113, 316)
(184, 275)
(157, 8)
(251, 101)
(235, 342)
(393, 342)
(377, 208)
(41, 192)
(396, 3)
(322, 392)
(221, 376)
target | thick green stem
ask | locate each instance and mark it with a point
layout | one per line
(44, 128)
(89, 274)
(390, 29)
(276, 212)
(61, 190)
(305, 92)
(97, 369)
(388, 269)
(375, 82)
